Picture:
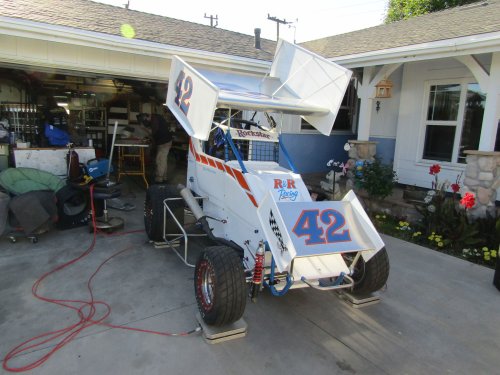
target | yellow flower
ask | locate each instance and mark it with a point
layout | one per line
(493, 253)
(383, 216)
(485, 248)
(440, 244)
(431, 237)
(377, 217)
(487, 256)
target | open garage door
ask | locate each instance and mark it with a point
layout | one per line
(84, 105)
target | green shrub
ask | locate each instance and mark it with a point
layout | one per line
(376, 178)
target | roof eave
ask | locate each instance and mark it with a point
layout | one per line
(473, 44)
(63, 34)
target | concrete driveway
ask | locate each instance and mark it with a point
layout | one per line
(438, 315)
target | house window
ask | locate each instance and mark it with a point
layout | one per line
(453, 121)
(346, 117)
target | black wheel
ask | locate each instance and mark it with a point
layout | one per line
(153, 211)
(220, 287)
(372, 275)
(72, 208)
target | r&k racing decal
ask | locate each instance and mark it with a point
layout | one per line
(286, 189)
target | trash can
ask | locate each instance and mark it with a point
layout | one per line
(496, 276)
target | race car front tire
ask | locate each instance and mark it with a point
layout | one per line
(220, 286)
(372, 275)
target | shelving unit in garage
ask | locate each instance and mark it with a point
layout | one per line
(92, 122)
(95, 127)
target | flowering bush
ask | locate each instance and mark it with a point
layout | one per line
(483, 255)
(437, 240)
(403, 226)
(442, 213)
(376, 178)
(445, 226)
(482, 252)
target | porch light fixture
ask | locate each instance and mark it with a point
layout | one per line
(383, 89)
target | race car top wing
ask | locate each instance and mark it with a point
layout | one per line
(299, 82)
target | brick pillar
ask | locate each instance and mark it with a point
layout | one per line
(360, 152)
(482, 177)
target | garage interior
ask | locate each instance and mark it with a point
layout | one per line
(86, 106)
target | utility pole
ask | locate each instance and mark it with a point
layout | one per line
(212, 19)
(278, 21)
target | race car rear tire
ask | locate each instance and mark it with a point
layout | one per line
(372, 275)
(220, 286)
(153, 211)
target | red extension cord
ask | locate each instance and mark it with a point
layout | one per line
(86, 311)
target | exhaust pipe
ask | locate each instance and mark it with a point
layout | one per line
(191, 202)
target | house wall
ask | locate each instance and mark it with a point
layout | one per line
(41, 54)
(409, 166)
(384, 123)
(311, 152)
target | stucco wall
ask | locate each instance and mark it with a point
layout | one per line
(410, 167)
(384, 122)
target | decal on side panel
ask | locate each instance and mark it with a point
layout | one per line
(215, 164)
(328, 229)
(277, 232)
(184, 90)
(286, 189)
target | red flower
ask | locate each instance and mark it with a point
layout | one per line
(434, 169)
(468, 200)
(455, 188)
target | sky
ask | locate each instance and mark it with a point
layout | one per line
(312, 19)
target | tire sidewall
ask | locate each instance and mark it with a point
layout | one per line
(229, 290)
(154, 210)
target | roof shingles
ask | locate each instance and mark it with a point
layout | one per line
(472, 19)
(478, 18)
(102, 18)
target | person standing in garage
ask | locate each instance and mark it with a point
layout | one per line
(162, 139)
